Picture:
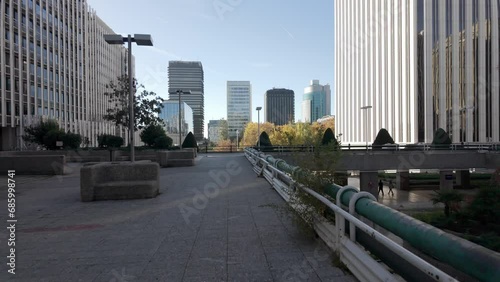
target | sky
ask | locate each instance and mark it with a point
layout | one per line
(271, 43)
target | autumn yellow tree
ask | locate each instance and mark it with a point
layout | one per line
(250, 136)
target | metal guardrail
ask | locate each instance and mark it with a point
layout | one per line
(479, 262)
(389, 147)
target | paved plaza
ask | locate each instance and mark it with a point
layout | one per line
(211, 222)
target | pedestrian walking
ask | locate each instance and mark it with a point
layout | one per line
(391, 186)
(381, 187)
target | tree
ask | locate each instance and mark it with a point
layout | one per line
(109, 141)
(163, 142)
(47, 133)
(190, 141)
(265, 142)
(250, 133)
(383, 137)
(448, 198)
(225, 145)
(151, 133)
(147, 105)
(329, 138)
(441, 139)
(224, 133)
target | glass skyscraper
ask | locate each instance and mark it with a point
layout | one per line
(170, 116)
(316, 101)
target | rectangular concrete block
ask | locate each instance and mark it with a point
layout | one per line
(162, 158)
(180, 162)
(34, 165)
(116, 181)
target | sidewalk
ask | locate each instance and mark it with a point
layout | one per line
(211, 222)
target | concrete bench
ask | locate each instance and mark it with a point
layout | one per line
(34, 165)
(175, 158)
(118, 181)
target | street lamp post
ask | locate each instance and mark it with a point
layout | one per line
(366, 124)
(258, 125)
(237, 139)
(179, 92)
(139, 39)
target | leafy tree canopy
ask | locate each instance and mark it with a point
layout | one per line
(151, 133)
(109, 141)
(47, 133)
(147, 105)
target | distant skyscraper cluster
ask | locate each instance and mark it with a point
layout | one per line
(316, 102)
(55, 64)
(425, 65)
(279, 106)
(239, 106)
(189, 76)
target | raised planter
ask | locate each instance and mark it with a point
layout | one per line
(175, 158)
(34, 165)
(118, 181)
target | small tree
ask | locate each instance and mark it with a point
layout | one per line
(448, 198)
(329, 138)
(47, 133)
(383, 137)
(441, 139)
(151, 133)
(163, 142)
(109, 141)
(224, 133)
(147, 105)
(190, 141)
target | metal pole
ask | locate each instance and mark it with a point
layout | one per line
(237, 139)
(180, 128)
(131, 100)
(258, 127)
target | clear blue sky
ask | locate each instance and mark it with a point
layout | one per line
(273, 43)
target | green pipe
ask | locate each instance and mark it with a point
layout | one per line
(463, 255)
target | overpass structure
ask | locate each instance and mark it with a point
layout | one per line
(362, 228)
(368, 163)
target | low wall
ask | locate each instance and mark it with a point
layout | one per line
(117, 181)
(34, 165)
(175, 158)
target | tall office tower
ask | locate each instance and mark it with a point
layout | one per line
(425, 65)
(215, 130)
(184, 75)
(239, 106)
(316, 102)
(54, 64)
(170, 116)
(279, 106)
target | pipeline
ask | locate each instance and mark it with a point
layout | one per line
(470, 258)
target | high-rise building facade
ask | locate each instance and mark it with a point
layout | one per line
(316, 102)
(215, 130)
(170, 116)
(54, 63)
(185, 75)
(421, 65)
(279, 106)
(239, 106)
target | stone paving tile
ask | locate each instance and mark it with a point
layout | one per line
(234, 236)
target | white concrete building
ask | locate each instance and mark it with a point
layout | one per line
(239, 106)
(54, 63)
(421, 65)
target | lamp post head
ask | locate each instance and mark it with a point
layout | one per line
(177, 91)
(143, 39)
(258, 108)
(113, 39)
(366, 107)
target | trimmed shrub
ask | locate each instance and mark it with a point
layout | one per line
(190, 141)
(383, 137)
(329, 138)
(163, 142)
(71, 140)
(265, 142)
(109, 141)
(151, 133)
(47, 133)
(441, 139)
